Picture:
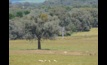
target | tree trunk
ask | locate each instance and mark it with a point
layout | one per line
(63, 29)
(39, 43)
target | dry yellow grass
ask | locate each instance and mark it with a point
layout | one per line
(93, 32)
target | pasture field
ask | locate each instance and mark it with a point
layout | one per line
(79, 49)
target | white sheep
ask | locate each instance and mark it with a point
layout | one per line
(40, 60)
(55, 61)
(49, 60)
(65, 52)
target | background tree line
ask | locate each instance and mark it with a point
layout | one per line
(46, 20)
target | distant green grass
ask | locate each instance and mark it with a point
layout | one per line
(85, 44)
(79, 42)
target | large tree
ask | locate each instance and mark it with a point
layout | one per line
(42, 26)
(81, 18)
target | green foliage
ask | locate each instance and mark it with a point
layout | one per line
(11, 16)
(73, 15)
(19, 14)
(42, 26)
(16, 28)
(68, 33)
(82, 19)
(26, 12)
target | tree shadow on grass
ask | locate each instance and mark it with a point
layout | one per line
(35, 49)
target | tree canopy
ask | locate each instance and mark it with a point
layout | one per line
(46, 20)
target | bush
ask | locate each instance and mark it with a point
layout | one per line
(11, 16)
(68, 33)
(19, 14)
(26, 12)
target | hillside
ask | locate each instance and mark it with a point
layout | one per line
(74, 3)
(71, 2)
(33, 1)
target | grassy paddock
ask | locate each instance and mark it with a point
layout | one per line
(32, 59)
(79, 49)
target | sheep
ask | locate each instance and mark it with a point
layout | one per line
(40, 60)
(49, 60)
(65, 52)
(46, 60)
(55, 61)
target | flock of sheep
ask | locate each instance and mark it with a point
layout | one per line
(47, 60)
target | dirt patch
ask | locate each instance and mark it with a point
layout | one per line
(46, 52)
